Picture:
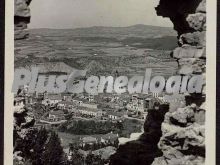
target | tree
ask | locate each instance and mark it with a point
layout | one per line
(32, 146)
(53, 154)
(39, 147)
(24, 145)
(92, 159)
(77, 158)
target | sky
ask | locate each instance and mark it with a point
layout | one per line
(63, 14)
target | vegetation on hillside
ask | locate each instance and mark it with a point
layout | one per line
(40, 147)
(90, 127)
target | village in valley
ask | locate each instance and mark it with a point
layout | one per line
(87, 123)
(88, 129)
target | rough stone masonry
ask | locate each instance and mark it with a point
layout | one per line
(183, 139)
(21, 18)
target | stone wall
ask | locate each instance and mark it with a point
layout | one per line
(21, 18)
(23, 119)
(23, 131)
(183, 139)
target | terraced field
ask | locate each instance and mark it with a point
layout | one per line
(104, 50)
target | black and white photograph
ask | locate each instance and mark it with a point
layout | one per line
(112, 82)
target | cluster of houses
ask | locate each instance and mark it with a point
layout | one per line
(87, 106)
(93, 143)
(141, 103)
(83, 105)
(111, 107)
(108, 107)
(109, 139)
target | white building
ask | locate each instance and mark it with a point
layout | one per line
(115, 115)
(52, 99)
(67, 105)
(90, 111)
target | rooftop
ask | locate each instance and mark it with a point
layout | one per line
(84, 100)
(113, 113)
(88, 109)
(66, 103)
(57, 113)
(89, 139)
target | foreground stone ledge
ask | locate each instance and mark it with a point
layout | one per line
(189, 52)
(22, 8)
(197, 21)
(185, 160)
(202, 7)
(21, 18)
(197, 39)
(189, 66)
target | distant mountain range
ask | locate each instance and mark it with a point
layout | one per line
(138, 36)
(140, 30)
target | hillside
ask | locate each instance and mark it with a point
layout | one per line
(129, 50)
